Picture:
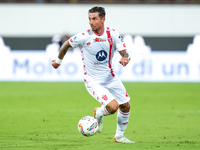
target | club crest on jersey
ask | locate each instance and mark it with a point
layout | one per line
(104, 97)
(101, 55)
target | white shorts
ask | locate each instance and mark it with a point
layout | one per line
(105, 92)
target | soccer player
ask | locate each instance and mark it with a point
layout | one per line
(97, 48)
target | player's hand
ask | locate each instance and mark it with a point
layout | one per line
(54, 64)
(124, 61)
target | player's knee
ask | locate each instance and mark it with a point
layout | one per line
(112, 107)
(125, 107)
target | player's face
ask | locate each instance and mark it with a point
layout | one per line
(96, 22)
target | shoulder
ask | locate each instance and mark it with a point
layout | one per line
(85, 34)
(81, 36)
(114, 34)
(112, 31)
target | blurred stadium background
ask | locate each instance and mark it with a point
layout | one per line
(155, 31)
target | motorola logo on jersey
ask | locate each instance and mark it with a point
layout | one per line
(101, 55)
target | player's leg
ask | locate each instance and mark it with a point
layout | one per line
(103, 96)
(112, 106)
(118, 90)
(109, 109)
(122, 118)
(122, 121)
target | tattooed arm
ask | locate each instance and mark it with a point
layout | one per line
(63, 51)
(125, 58)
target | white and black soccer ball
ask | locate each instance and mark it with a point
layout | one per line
(88, 126)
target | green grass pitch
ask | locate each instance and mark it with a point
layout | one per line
(42, 115)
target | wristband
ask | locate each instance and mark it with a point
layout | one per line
(59, 61)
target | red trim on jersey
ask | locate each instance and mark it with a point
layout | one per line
(122, 50)
(98, 34)
(69, 44)
(111, 44)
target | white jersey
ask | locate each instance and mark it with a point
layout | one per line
(97, 52)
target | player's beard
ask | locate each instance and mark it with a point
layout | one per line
(95, 29)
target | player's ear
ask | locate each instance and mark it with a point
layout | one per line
(103, 19)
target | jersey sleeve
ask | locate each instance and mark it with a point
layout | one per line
(76, 40)
(119, 43)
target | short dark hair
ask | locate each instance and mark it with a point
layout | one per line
(100, 10)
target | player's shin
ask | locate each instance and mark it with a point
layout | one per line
(122, 121)
(99, 112)
(102, 111)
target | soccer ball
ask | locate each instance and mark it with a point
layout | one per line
(88, 126)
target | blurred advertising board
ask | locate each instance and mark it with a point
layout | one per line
(153, 67)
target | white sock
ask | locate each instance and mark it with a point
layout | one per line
(102, 111)
(122, 121)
